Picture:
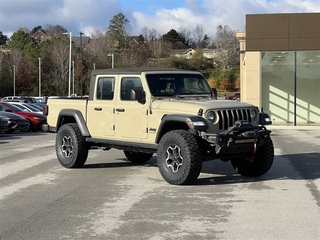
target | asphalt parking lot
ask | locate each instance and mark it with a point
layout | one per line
(110, 198)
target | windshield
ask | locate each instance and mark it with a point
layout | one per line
(178, 84)
(15, 108)
(31, 107)
(20, 106)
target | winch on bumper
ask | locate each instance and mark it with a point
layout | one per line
(242, 137)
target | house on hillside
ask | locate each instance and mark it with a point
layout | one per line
(39, 36)
(133, 41)
(188, 53)
(80, 41)
(209, 53)
(183, 53)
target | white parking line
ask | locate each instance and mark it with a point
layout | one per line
(40, 179)
(108, 216)
(8, 169)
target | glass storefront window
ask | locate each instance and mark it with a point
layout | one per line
(291, 87)
(308, 88)
(277, 74)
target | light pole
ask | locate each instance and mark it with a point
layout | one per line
(39, 77)
(14, 80)
(73, 78)
(81, 33)
(69, 62)
(0, 79)
(112, 59)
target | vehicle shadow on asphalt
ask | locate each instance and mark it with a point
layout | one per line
(7, 137)
(304, 166)
(122, 162)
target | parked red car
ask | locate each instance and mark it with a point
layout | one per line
(235, 96)
(36, 120)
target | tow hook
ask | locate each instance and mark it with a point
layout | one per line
(255, 145)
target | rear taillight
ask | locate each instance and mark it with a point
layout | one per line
(45, 110)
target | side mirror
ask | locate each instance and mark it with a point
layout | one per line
(264, 119)
(8, 110)
(214, 93)
(139, 95)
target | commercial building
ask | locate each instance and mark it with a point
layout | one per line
(280, 66)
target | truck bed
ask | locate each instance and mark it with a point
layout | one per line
(56, 104)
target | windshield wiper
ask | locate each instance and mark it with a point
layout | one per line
(163, 94)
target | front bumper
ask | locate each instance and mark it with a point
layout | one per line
(4, 126)
(47, 128)
(241, 138)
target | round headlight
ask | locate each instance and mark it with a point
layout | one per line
(253, 114)
(211, 116)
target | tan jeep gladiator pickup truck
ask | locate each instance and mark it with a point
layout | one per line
(170, 112)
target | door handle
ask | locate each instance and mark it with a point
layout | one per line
(120, 110)
(98, 108)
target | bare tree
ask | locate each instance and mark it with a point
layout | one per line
(185, 33)
(153, 34)
(25, 29)
(16, 56)
(145, 33)
(59, 70)
(99, 48)
(54, 30)
(198, 34)
(149, 34)
(227, 45)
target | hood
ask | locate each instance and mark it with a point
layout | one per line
(31, 115)
(193, 105)
(11, 115)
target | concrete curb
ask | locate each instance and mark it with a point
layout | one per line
(292, 127)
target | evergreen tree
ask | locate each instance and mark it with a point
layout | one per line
(174, 37)
(19, 40)
(117, 30)
(3, 39)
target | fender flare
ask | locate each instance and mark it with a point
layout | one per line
(78, 117)
(264, 119)
(193, 122)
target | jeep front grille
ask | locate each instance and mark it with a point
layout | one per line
(227, 118)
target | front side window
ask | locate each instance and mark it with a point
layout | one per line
(130, 87)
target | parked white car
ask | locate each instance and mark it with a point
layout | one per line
(27, 107)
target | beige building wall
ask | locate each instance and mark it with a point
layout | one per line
(249, 73)
(251, 81)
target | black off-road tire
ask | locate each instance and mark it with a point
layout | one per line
(179, 157)
(137, 157)
(260, 164)
(71, 147)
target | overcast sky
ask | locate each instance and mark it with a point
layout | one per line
(162, 15)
